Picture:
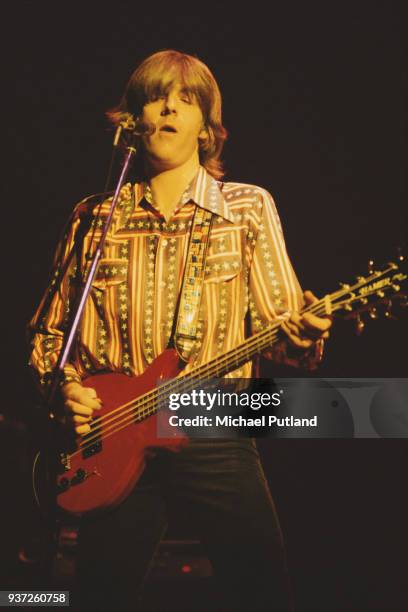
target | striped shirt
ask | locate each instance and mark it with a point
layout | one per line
(129, 314)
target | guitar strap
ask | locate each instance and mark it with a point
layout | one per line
(191, 291)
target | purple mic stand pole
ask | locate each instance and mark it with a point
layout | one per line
(70, 335)
(134, 128)
(55, 433)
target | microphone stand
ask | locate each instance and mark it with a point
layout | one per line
(55, 409)
(86, 287)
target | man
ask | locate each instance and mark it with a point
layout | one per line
(129, 319)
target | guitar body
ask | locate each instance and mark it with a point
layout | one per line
(103, 475)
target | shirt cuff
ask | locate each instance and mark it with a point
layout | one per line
(68, 375)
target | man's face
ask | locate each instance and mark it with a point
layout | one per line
(179, 122)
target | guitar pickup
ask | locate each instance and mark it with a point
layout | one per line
(92, 450)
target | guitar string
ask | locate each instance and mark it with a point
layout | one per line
(150, 398)
(220, 362)
(144, 410)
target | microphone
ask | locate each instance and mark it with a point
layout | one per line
(142, 128)
(136, 127)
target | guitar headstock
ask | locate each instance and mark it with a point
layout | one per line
(375, 293)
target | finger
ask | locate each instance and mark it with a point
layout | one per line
(306, 333)
(91, 392)
(83, 398)
(296, 321)
(84, 395)
(95, 404)
(294, 327)
(295, 318)
(296, 340)
(300, 332)
(81, 419)
(310, 297)
(82, 429)
(303, 331)
(314, 323)
(77, 408)
(92, 400)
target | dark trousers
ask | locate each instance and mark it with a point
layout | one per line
(218, 489)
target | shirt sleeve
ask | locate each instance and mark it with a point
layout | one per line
(274, 290)
(48, 325)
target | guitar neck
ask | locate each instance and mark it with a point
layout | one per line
(376, 285)
(236, 357)
(254, 345)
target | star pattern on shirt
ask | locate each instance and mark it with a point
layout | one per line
(161, 273)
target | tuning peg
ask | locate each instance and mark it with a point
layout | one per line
(388, 314)
(400, 254)
(360, 279)
(344, 286)
(360, 325)
(373, 313)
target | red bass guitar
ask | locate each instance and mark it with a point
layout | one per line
(105, 464)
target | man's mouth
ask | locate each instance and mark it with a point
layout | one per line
(168, 128)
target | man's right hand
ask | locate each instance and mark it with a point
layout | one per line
(79, 404)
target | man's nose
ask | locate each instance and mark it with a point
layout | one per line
(169, 105)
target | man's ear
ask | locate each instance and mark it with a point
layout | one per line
(203, 135)
(206, 139)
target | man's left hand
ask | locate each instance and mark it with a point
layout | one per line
(303, 330)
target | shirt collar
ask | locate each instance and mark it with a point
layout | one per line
(203, 190)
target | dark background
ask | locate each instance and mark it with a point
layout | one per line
(315, 104)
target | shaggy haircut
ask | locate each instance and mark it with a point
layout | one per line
(154, 77)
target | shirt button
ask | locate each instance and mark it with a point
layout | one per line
(164, 243)
(162, 284)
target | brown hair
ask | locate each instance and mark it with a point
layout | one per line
(155, 76)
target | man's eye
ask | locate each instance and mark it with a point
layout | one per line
(155, 97)
(186, 97)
